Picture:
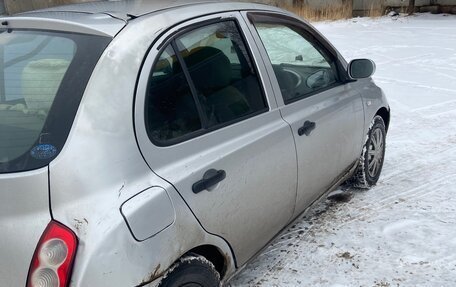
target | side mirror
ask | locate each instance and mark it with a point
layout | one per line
(361, 68)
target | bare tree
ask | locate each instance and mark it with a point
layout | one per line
(411, 7)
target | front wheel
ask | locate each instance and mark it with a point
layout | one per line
(191, 271)
(372, 157)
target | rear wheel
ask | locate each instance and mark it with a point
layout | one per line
(372, 157)
(191, 271)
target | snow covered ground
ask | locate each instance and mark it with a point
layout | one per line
(403, 231)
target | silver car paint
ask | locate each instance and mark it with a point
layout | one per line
(260, 167)
(373, 99)
(146, 205)
(100, 168)
(335, 143)
(106, 169)
(24, 214)
(102, 25)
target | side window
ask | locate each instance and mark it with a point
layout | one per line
(221, 72)
(203, 80)
(170, 109)
(301, 67)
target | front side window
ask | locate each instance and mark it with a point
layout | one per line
(42, 78)
(300, 65)
(203, 80)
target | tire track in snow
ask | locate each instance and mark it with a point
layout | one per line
(400, 198)
(439, 114)
(405, 59)
(301, 232)
(416, 84)
(434, 106)
(392, 176)
(399, 175)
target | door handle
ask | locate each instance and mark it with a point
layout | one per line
(307, 128)
(210, 178)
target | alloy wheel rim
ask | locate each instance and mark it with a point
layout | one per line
(375, 152)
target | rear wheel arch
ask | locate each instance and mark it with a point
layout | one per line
(214, 255)
(204, 264)
(191, 270)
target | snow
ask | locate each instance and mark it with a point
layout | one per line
(402, 232)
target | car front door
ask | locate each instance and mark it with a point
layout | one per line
(207, 122)
(325, 114)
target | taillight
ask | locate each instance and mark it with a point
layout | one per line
(53, 258)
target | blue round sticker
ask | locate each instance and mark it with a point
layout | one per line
(43, 151)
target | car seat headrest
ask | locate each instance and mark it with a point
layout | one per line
(41, 80)
(209, 67)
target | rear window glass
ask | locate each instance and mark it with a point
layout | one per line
(42, 78)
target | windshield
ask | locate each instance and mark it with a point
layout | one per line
(42, 78)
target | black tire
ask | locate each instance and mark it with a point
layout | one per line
(372, 157)
(191, 271)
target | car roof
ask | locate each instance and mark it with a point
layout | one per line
(135, 8)
(107, 18)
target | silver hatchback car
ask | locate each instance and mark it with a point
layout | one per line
(165, 143)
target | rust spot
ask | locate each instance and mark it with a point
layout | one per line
(154, 275)
(156, 271)
(77, 224)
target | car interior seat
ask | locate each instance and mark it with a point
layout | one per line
(40, 82)
(171, 109)
(210, 70)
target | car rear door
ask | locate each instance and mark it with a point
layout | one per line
(325, 114)
(207, 122)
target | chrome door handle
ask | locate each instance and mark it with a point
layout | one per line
(210, 178)
(307, 128)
